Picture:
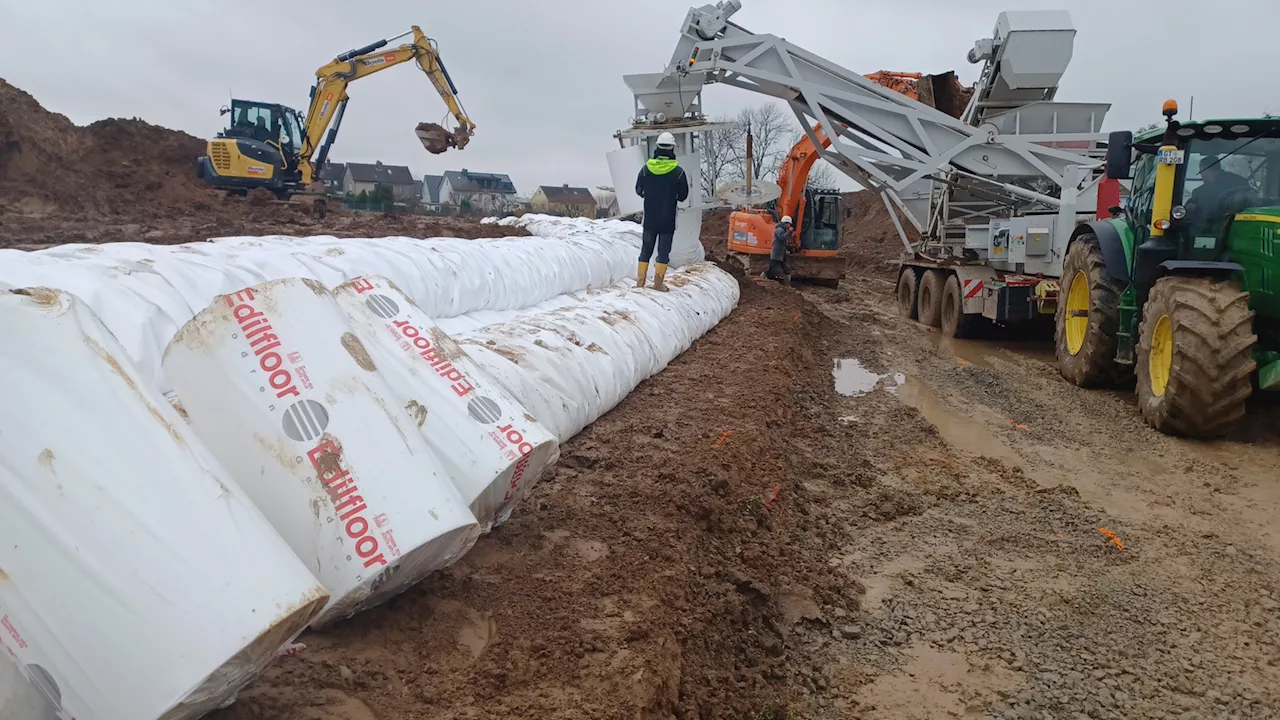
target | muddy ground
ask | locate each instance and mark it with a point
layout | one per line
(739, 540)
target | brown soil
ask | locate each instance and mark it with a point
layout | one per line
(122, 180)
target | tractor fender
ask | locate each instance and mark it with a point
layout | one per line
(1112, 246)
(1211, 268)
(972, 280)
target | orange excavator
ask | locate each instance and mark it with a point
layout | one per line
(818, 213)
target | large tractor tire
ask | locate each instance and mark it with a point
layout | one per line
(907, 282)
(1195, 356)
(929, 306)
(1088, 318)
(955, 323)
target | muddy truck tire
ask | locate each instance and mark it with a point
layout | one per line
(908, 280)
(955, 323)
(1088, 318)
(1195, 356)
(929, 304)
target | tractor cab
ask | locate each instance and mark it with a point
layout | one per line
(268, 123)
(1220, 169)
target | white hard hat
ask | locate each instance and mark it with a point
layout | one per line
(666, 140)
(786, 219)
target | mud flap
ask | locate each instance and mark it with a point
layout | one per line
(972, 279)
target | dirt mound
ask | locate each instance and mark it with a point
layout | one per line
(113, 167)
(121, 180)
(715, 233)
(869, 238)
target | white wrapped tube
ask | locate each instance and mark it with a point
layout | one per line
(137, 580)
(280, 388)
(492, 448)
(570, 365)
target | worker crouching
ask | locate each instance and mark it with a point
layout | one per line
(782, 237)
(663, 184)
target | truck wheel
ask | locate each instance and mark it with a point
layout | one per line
(907, 282)
(955, 323)
(1088, 318)
(929, 307)
(1195, 356)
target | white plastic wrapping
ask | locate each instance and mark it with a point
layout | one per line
(282, 391)
(572, 364)
(145, 293)
(491, 447)
(19, 699)
(137, 580)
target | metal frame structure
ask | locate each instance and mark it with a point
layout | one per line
(1014, 153)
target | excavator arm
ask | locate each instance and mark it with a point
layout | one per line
(329, 98)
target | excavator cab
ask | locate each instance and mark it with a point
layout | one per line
(820, 223)
(259, 148)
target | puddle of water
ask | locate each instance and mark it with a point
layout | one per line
(961, 432)
(852, 379)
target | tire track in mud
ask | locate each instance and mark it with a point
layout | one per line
(1003, 598)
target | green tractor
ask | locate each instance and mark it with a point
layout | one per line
(1181, 287)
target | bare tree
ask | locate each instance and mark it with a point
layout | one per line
(823, 176)
(718, 157)
(772, 133)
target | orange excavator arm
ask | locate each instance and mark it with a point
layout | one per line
(794, 175)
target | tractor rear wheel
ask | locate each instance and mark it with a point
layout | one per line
(1195, 356)
(1088, 318)
(929, 306)
(907, 282)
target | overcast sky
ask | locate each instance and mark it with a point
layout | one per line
(542, 80)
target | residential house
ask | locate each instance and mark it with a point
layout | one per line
(362, 177)
(564, 200)
(431, 192)
(606, 202)
(333, 175)
(480, 192)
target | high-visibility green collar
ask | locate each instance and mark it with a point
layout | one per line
(661, 166)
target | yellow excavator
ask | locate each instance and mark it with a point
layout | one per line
(272, 146)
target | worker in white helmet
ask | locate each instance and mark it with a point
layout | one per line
(663, 184)
(783, 232)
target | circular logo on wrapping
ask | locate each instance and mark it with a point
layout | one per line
(46, 684)
(305, 420)
(484, 410)
(383, 306)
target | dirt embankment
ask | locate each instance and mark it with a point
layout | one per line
(119, 180)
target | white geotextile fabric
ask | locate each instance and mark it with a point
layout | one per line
(144, 293)
(569, 365)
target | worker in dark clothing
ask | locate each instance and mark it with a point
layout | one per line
(1206, 203)
(782, 234)
(662, 183)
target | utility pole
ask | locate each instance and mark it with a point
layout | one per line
(1191, 110)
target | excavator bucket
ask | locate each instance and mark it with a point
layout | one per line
(437, 140)
(944, 92)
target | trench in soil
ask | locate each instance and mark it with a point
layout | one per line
(738, 539)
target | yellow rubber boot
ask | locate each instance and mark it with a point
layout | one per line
(642, 272)
(659, 273)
